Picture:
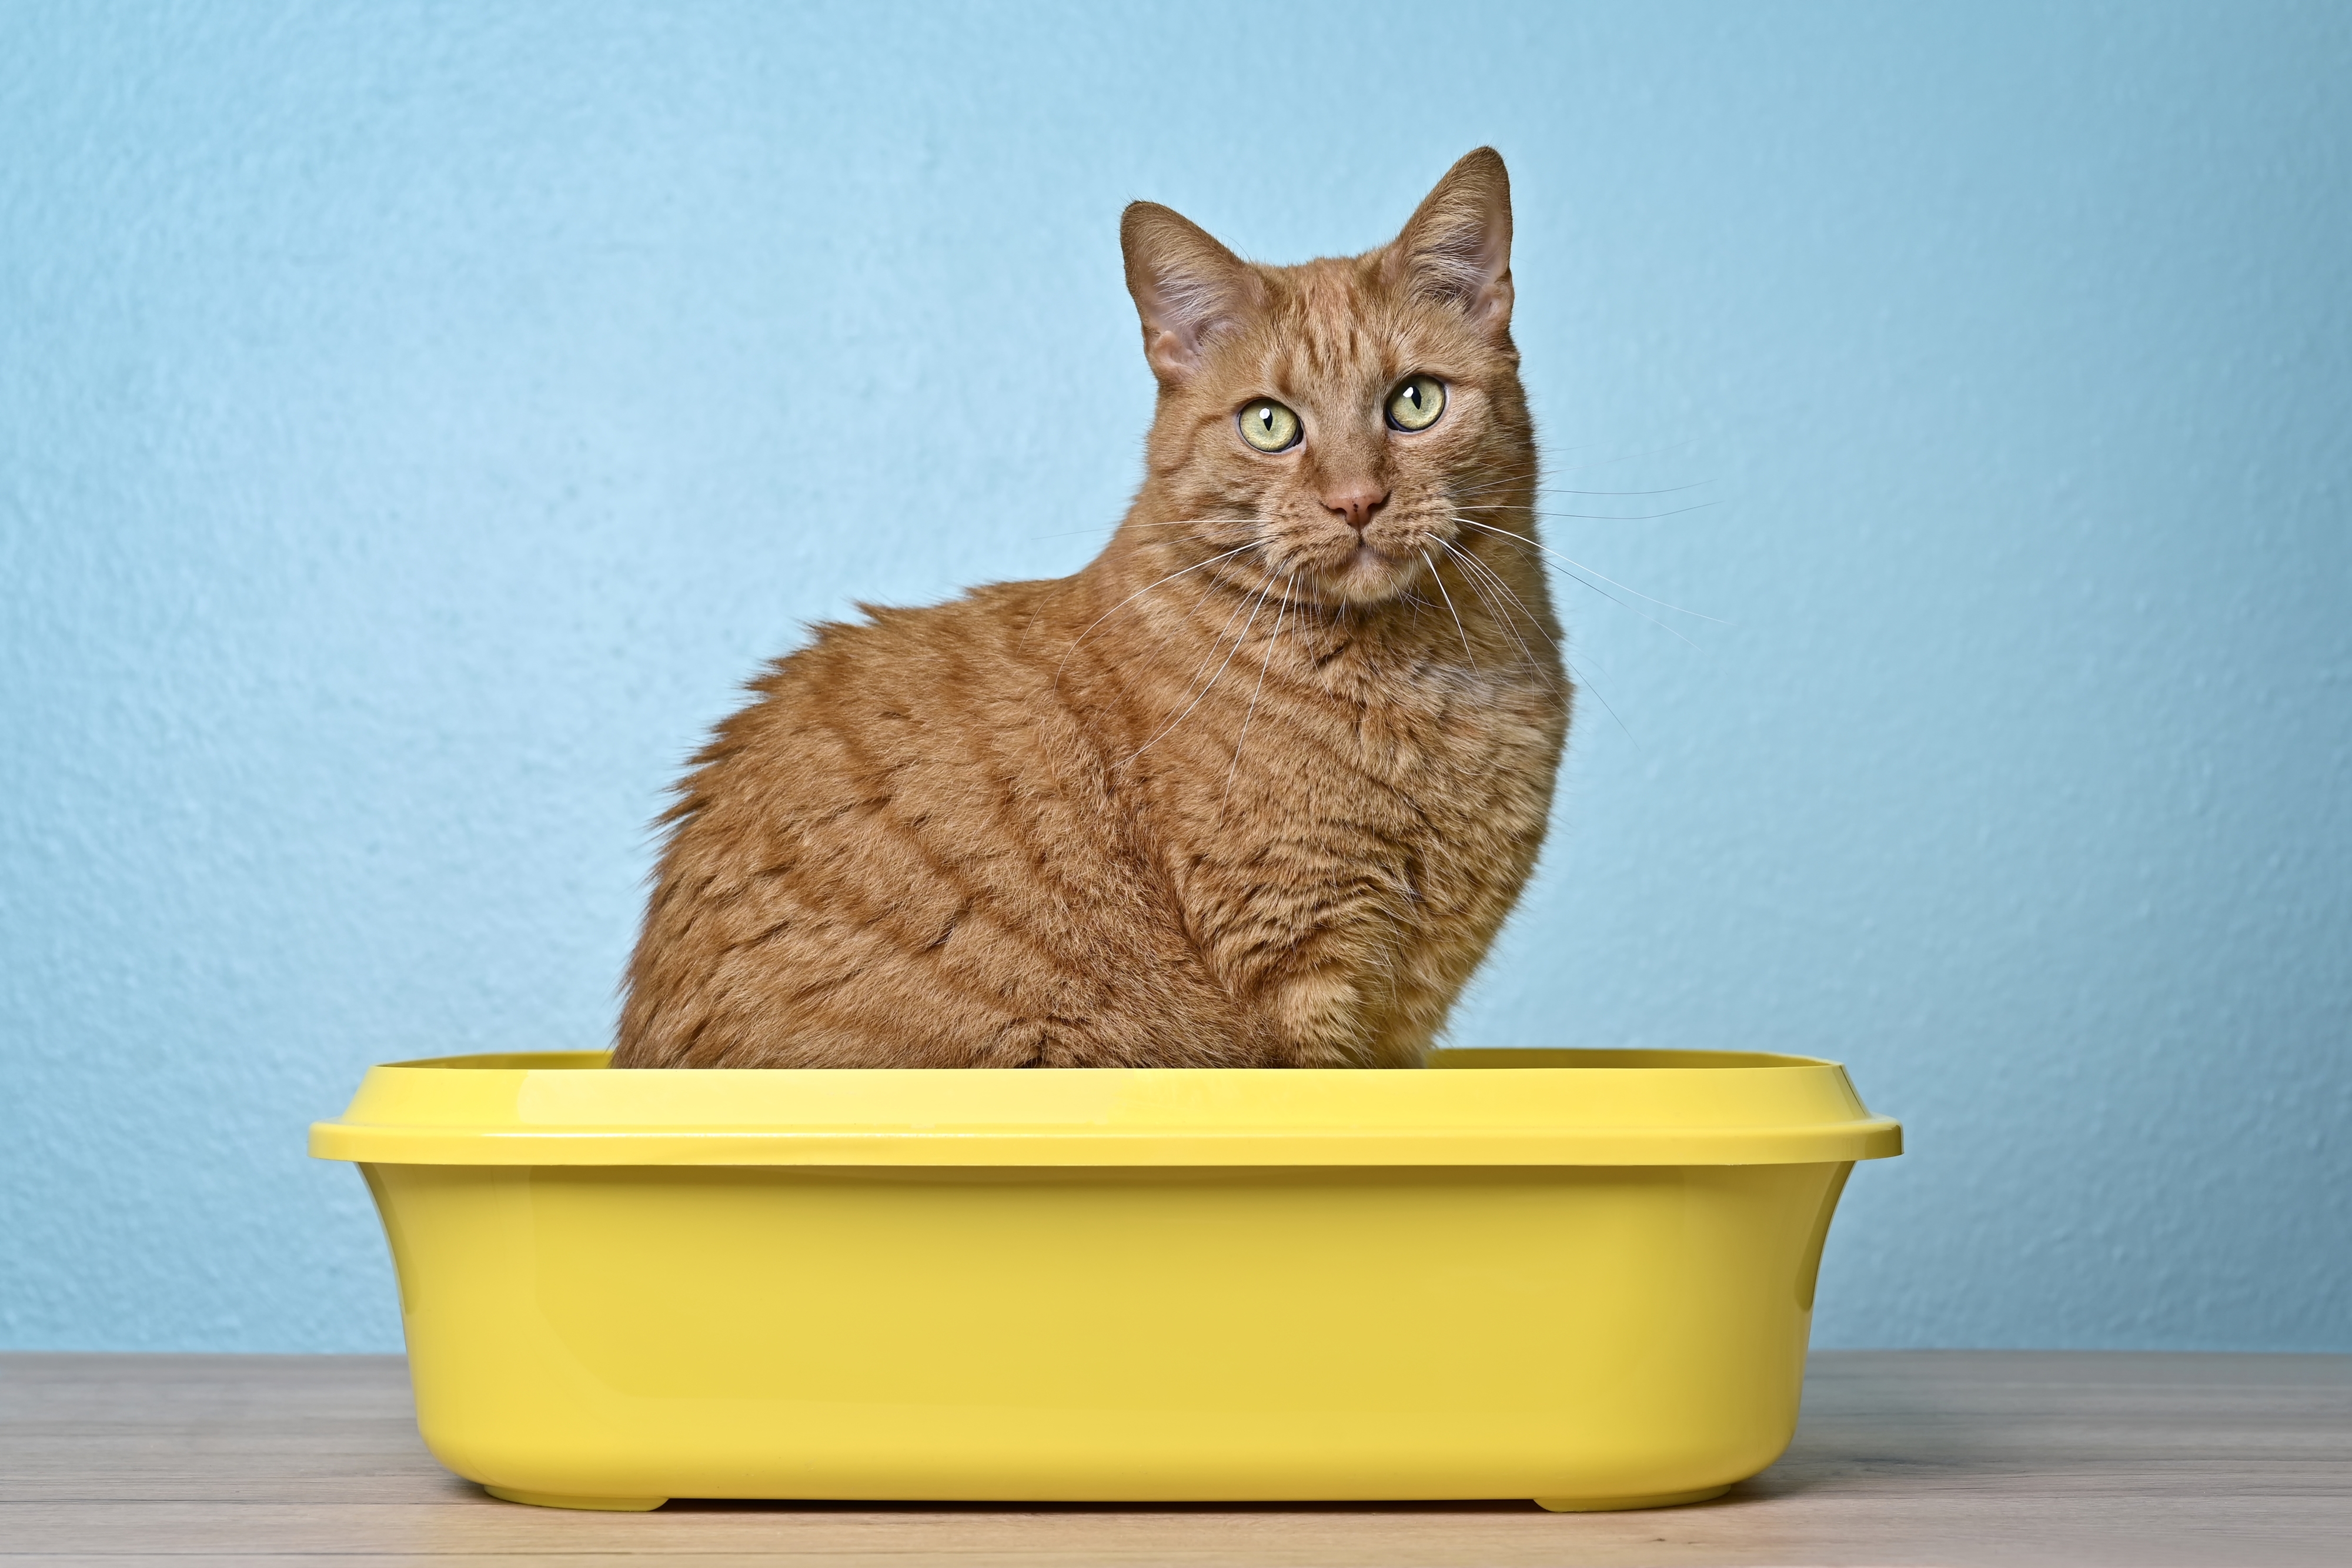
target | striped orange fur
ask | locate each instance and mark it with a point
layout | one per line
(1254, 788)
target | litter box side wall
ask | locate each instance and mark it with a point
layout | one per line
(1136, 1334)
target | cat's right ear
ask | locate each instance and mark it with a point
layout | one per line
(1188, 289)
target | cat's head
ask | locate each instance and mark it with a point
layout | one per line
(1330, 423)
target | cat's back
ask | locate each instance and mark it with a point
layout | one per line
(902, 851)
(898, 688)
(901, 731)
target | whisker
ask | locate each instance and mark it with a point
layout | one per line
(1236, 648)
(1584, 683)
(1629, 457)
(1543, 491)
(1501, 584)
(1581, 567)
(1451, 611)
(1250, 711)
(1240, 602)
(1129, 600)
(1592, 516)
(1476, 568)
(1500, 482)
(1527, 654)
(1216, 641)
(1551, 678)
(1512, 481)
(1670, 490)
(1622, 517)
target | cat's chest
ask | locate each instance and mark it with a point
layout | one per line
(1426, 780)
(1445, 726)
(1455, 761)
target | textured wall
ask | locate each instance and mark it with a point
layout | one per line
(416, 420)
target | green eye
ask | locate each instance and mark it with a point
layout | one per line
(1267, 426)
(1416, 404)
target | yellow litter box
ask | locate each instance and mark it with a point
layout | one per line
(1584, 1277)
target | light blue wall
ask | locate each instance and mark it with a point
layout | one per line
(416, 420)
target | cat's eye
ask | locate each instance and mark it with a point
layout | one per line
(1417, 403)
(1267, 426)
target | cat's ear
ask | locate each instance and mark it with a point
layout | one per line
(1456, 247)
(1187, 288)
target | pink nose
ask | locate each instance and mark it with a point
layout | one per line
(1357, 503)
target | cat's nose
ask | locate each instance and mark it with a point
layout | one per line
(1357, 503)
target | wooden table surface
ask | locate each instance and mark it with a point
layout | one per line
(1946, 1457)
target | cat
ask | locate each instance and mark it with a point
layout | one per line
(1254, 788)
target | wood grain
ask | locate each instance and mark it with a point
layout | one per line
(1938, 1458)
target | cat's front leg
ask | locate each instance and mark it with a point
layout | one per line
(1319, 1019)
(1343, 995)
(1376, 991)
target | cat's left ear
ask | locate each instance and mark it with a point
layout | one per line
(1456, 247)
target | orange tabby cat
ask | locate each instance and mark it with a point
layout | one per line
(1255, 788)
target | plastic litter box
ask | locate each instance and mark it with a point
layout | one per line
(1583, 1277)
